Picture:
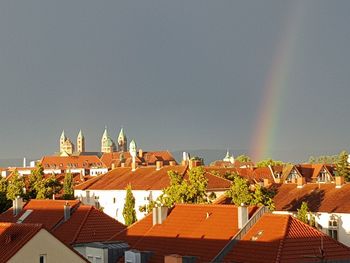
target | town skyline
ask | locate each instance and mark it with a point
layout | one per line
(268, 78)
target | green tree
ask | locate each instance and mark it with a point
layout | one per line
(4, 202)
(263, 196)
(239, 191)
(303, 212)
(36, 185)
(181, 190)
(342, 166)
(268, 162)
(243, 158)
(68, 190)
(52, 186)
(196, 186)
(129, 212)
(16, 187)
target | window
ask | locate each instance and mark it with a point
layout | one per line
(90, 258)
(42, 258)
(292, 177)
(113, 200)
(323, 177)
(333, 227)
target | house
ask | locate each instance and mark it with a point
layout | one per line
(191, 231)
(328, 202)
(124, 159)
(33, 243)
(283, 238)
(108, 191)
(226, 233)
(82, 164)
(71, 221)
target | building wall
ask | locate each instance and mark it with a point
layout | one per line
(112, 201)
(98, 171)
(45, 243)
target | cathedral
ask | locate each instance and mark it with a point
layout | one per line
(67, 147)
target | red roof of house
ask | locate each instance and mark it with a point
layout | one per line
(145, 178)
(321, 197)
(72, 162)
(14, 236)
(283, 238)
(192, 230)
(86, 224)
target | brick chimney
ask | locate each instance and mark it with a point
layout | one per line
(66, 211)
(300, 182)
(159, 165)
(242, 215)
(339, 181)
(173, 258)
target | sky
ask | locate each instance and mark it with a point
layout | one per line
(270, 77)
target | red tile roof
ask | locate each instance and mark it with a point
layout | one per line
(72, 162)
(322, 197)
(86, 224)
(283, 238)
(192, 230)
(146, 178)
(14, 236)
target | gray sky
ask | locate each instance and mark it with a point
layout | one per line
(175, 74)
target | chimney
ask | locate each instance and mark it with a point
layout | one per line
(113, 166)
(339, 181)
(17, 205)
(122, 165)
(24, 162)
(242, 215)
(172, 163)
(173, 258)
(53, 197)
(66, 211)
(194, 163)
(159, 214)
(300, 182)
(266, 182)
(159, 165)
(140, 153)
(133, 166)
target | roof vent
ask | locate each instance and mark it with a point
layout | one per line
(66, 211)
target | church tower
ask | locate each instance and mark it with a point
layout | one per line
(63, 138)
(122, 141)
(107, 145)
(80, 142)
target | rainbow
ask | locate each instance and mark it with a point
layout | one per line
(275, 87)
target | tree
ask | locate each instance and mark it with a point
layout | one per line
(180, 190)
(342, 166)
(196, 186)
(68, 190)
(268, 162)
(243, 158)
(303, 212)
(263, 197)
(36, 185)
(52, 186)
(239, 191)
(16, 187)
(4, 202)
(129, 212)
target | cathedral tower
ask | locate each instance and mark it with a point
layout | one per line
(107, 145)
(80, 142)
(63, 138)
(122, 141)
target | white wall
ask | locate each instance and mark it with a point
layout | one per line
(113, 201)
(98, 171)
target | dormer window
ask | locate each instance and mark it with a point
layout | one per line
(323, 177)
(292, 177)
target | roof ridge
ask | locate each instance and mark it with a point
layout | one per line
(281, 245)
(224, 179)
(81, 225)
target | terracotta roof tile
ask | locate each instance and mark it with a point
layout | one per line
(14, 236)
(321, 197)
(192, 230)
(71, 162)
(283, 238)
